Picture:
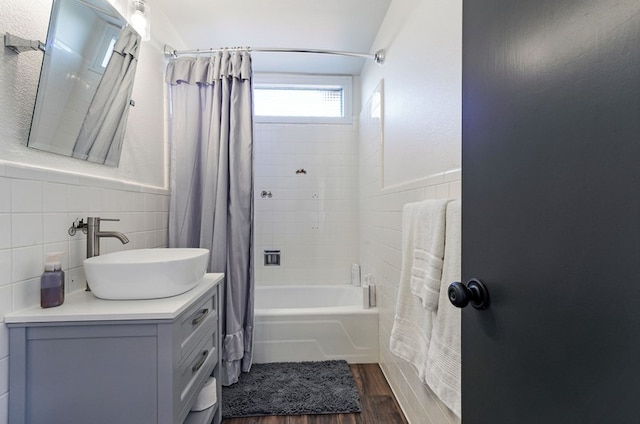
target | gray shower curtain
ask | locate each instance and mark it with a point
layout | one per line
(212, 184)
(102, 131)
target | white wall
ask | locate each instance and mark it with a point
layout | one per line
(417, 147)
(42, 193)
(422, 72)
(312, 218)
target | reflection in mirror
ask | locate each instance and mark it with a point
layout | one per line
(87, 40)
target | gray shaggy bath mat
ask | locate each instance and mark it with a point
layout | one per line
(292, 388)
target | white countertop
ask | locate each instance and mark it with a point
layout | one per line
(84, 306)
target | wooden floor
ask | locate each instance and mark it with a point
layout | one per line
(378, 404)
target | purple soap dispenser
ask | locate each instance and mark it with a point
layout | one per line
(52, 281)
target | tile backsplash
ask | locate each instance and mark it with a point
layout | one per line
(37, 207)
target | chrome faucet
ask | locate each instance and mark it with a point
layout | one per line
(94, 235)
(92, 229)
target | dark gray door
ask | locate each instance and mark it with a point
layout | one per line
(551, 211)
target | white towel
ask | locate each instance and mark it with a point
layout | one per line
(412, 323)
(443, 369)
(428, 251)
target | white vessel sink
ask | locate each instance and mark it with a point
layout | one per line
(145, 273)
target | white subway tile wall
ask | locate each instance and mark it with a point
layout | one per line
(380, 254)
(37, 207)
(311, 216)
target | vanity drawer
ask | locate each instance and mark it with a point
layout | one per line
(196, 369)
(202, 314)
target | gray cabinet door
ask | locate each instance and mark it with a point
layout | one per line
(73, 372)
(551, 210)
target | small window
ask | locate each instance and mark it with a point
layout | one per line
(107, 53)
(302, 99)
(104, 48)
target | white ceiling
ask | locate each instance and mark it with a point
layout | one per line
(344, 25)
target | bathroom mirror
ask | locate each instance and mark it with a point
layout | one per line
(86, 42)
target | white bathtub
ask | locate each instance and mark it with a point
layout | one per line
(314, 323)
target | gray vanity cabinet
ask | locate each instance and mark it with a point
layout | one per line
(142, 371)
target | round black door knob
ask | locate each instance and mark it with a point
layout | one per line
(474, 292)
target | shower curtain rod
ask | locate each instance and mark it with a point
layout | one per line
(378, 57)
